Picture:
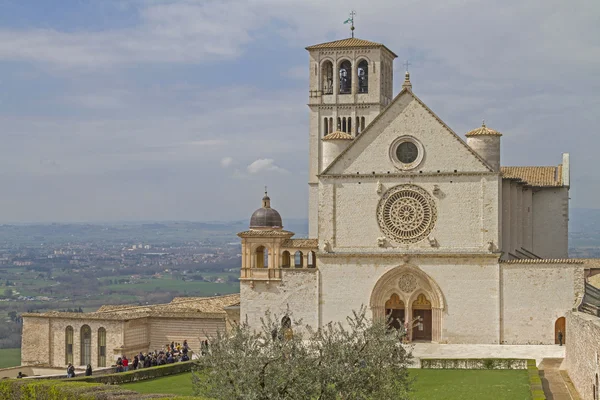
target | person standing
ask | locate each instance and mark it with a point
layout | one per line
(125, 364)
(88, 370)
(560, 338)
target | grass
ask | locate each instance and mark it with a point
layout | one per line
(193, 288)
(10, 358)
(429, 384)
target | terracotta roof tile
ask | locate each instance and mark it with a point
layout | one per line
(535, 176)
(301, 243)
(350, 42)
(338, 135)
(483, 131)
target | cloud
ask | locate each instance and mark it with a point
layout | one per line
(265, 165)
(226, 162)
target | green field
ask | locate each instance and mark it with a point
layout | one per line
(191, 288)
(429, 384)
(10, 358)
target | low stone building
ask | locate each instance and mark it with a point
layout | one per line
(55, 339)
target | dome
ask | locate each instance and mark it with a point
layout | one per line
(266, 217)
(483, 131)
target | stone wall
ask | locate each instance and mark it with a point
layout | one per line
(35, 349)
(582, 354)
(167, 330)
(298, 289)
(534, 296)
(469, 290)
(551, 223)
(44, 340)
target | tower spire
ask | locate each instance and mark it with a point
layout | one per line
(350, 21)
(407, 85)
(266, 200)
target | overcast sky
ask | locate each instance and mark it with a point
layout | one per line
(129, 110)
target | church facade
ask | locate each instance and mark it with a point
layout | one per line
(411, 221)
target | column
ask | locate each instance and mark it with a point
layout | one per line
(436, 324)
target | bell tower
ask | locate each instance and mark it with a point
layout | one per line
(351, 82)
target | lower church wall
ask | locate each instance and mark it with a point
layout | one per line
(35, 348)
(470, 292)
(194, 330)
(582, 354)
(298, 289)
(534, 297)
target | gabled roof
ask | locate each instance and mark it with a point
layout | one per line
(535, 176)
(405, 91)
(350, 42)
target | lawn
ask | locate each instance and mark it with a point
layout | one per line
(10, 358)
(192, 288)
(429, 384)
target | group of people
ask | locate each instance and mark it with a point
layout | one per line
(71, 370)
(173, 352)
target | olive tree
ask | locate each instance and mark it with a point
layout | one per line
(361, 359)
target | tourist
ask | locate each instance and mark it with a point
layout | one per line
(88, 370)
(170, 359)
(560, 337)
(136, 362)
(119, 364)
(21, 375)
(70, 371)
(147, 361)
(125, 364)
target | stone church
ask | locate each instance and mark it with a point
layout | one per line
(405, 218)
(411, 221)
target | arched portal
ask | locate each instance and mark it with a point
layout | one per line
(394, 312)
(421, 296)
(345, 76)
(560, 326)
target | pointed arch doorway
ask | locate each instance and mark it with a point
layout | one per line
(394, 312)
(420, 297)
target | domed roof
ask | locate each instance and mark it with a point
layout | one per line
(266, 217)
(483, 131)
(338, 135)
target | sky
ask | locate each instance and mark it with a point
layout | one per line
(128, 110)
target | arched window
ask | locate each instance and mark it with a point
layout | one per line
(357, 126)
(327, 76)
(312, 262)
(325, 125)
(363, 77)
(343, 124)
(362, 124)
(345, 77)
(330, 124)
(262, 257)
(339, 124)
(285, 259)
(69, 345)
(298, 259)
(101, 347)
(349, 125)
(86, 345)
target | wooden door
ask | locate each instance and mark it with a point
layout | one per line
(560, 325)
(422, 330)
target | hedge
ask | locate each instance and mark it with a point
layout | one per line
(30, 389)
(137, 375)
(535, 382)
(473, 363)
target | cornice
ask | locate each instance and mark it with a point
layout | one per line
(405, 175)
(406, 257)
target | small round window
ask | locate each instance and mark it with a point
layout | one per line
(406, 153)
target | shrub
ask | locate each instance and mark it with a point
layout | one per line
(137, 375)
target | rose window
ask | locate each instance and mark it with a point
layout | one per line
(406, 214)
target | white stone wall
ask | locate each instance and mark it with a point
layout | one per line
(582, 357)
(167, 330)
(469, 287)
(534, 297)
(551, 222)
(298, 290)
(488, 147)
(467, 213)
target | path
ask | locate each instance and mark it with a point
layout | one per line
(556, 385)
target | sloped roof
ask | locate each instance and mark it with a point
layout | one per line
(405, 91)
(266, 232)
(301, 243)
(350, 42)
(188, 307)
(535, 176)
(338, 135)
